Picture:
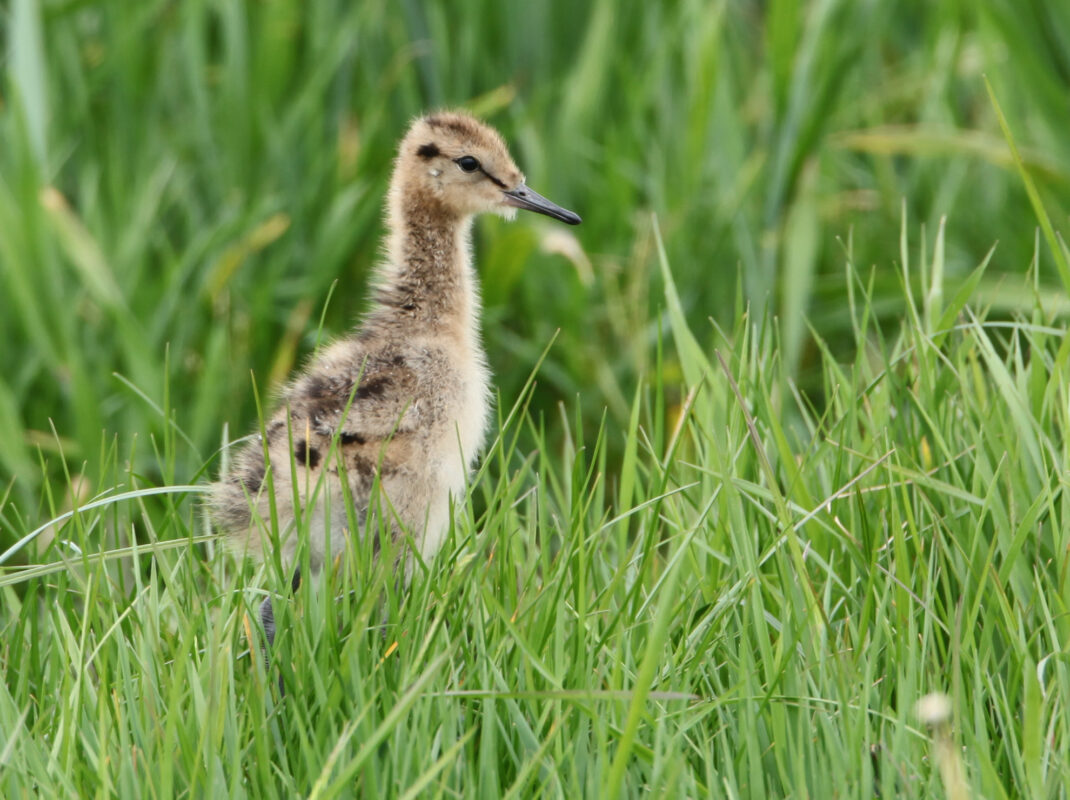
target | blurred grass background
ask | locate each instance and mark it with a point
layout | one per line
(182, 183)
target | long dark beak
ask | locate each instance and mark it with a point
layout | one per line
(524, 197)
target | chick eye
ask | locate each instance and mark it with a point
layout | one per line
(468, 163)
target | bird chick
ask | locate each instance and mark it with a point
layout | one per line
(402, 403)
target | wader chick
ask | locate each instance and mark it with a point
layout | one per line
(403, 401)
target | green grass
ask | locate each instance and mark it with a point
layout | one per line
(795, 458)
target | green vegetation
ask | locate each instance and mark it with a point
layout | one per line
(796, 457)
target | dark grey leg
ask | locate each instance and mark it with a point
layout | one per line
(267, 619)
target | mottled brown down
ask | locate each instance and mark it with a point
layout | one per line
(404, 399)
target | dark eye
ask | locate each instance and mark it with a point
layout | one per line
(468, 163)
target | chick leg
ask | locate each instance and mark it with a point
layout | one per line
(267, 619)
